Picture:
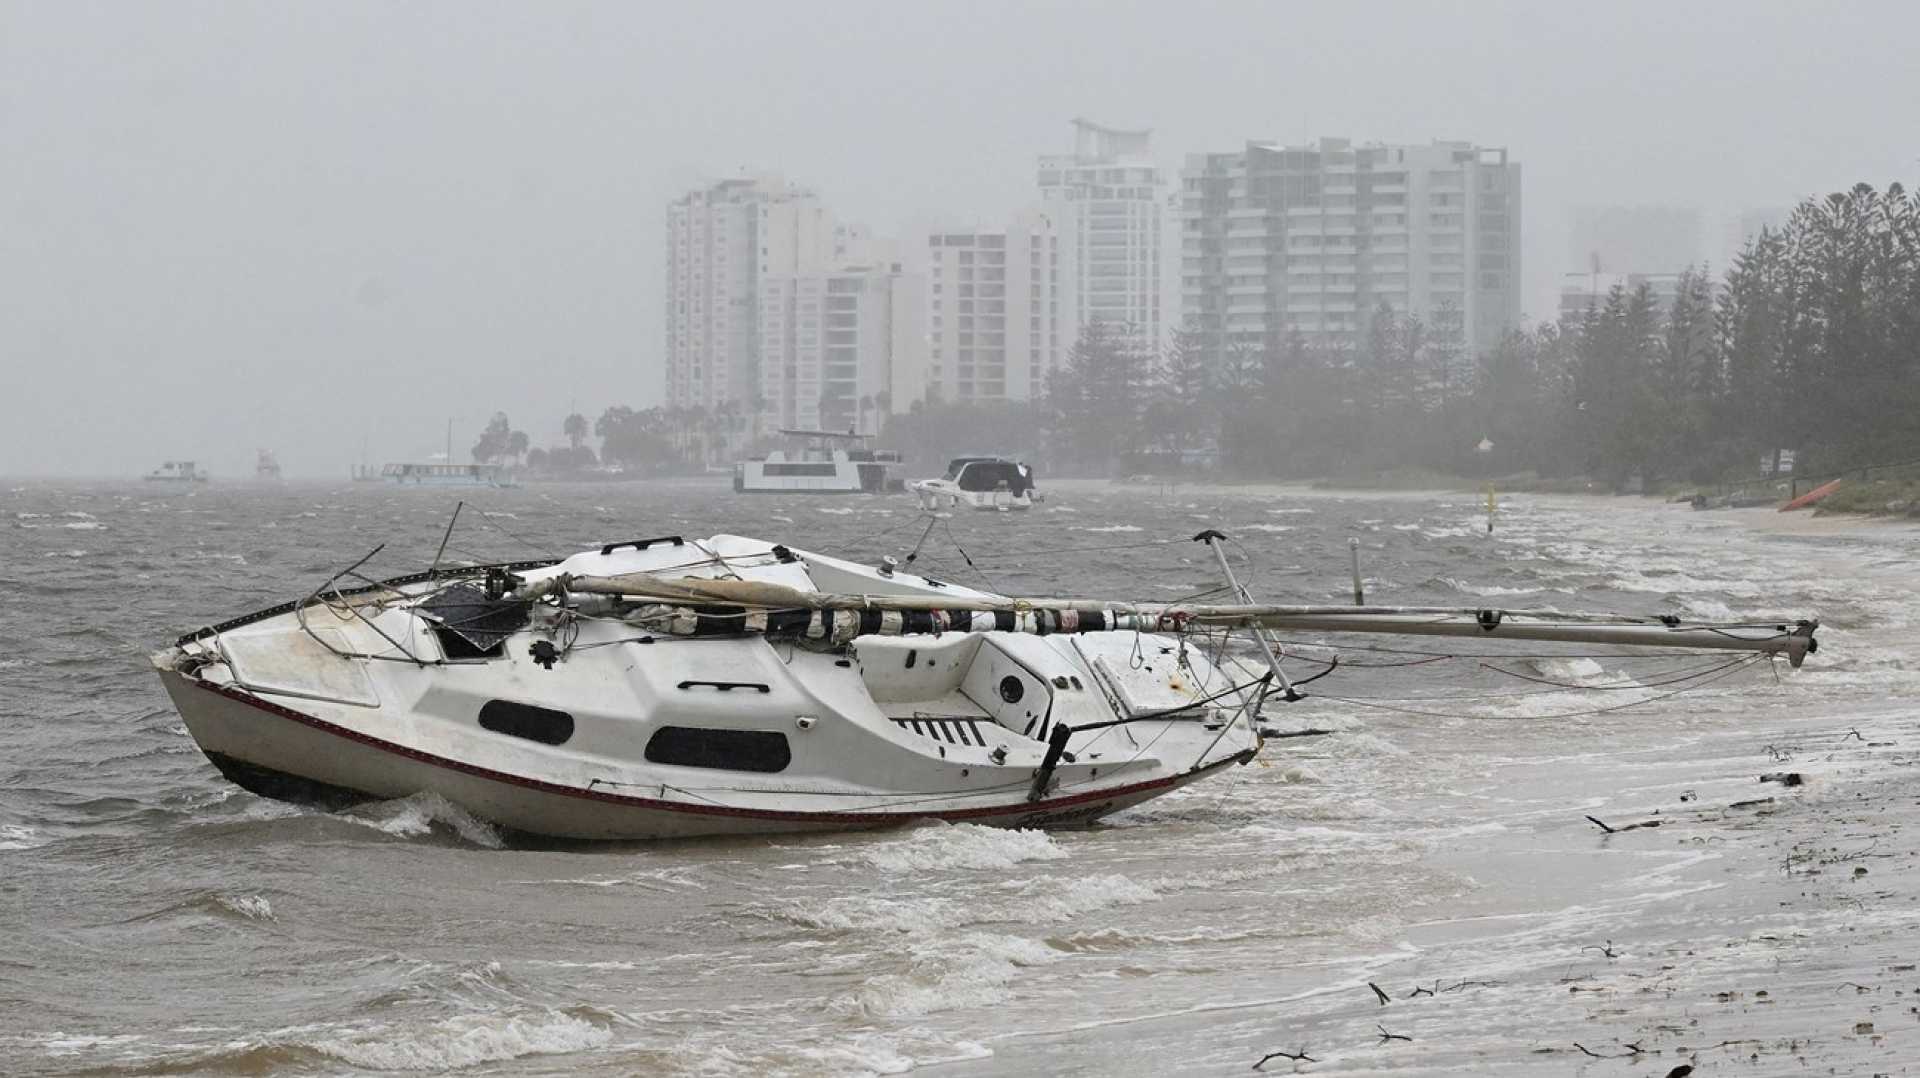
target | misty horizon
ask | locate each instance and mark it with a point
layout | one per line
(328, 232)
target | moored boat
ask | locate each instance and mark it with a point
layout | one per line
(176, 471)
(819, 462)
(990, 483)
(448, 475)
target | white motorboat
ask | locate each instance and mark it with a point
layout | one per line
(671, 687)
(992, 483)
(823, 463)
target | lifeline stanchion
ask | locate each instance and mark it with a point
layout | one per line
(1212, 538)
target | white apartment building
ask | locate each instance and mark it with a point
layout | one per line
(999, 316)
(745, 258)
(722, 240)
(1312, 239)
(1108, 201)
(840, 347)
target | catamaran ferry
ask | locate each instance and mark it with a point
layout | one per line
(826, 463)
(449, 475)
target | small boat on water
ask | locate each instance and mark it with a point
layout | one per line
(266, 466)
(673, 687)
(824, 462)
(449, 475)
(991, 483)
(176, 471)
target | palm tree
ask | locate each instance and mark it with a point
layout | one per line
(576, 429)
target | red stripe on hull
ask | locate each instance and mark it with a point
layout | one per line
(864, 819)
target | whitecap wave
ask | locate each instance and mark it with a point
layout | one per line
(974, 969)
(20, 837)
(464, 1041)
(865, 913)
(252, 907)
(1057, 900)
(1483, 589)
(961, 846)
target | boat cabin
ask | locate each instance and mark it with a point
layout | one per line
(818, 462)
(981, 474)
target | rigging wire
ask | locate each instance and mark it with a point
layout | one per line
(1726, 670)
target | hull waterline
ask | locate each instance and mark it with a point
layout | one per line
(282, 753)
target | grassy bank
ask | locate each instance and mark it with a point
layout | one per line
(1876, 497)
(1425, 479)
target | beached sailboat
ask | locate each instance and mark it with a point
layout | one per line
(675, 687)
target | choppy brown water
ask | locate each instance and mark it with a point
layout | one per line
(158, 920)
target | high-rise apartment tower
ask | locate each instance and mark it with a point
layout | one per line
(1311, 240)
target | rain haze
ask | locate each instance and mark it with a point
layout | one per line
(1085, 539)
(330, 229)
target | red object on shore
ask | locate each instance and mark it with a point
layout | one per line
(1811, 496)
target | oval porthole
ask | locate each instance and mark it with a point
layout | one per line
(727, 750)
(542, 724)
(1011, 690)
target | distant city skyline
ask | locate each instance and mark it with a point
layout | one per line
(212, 213)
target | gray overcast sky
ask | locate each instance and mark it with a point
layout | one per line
(300, 226)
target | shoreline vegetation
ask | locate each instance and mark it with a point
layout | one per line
(1800, 363)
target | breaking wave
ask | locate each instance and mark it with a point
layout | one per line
(970, 970)
(1483, 589)
(465, 1041)
(252, 907)
(961, 846)
(20, 837)
(410, 817)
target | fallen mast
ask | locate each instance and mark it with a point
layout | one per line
(688, 606)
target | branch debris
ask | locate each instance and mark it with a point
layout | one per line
(1603, 825)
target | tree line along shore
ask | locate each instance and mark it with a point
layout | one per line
(1805, 349)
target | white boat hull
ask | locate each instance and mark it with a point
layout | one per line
(937, 495)
(285, 753)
